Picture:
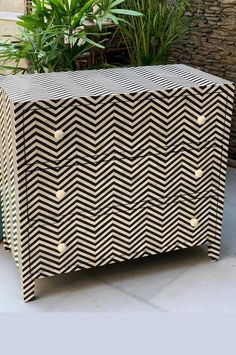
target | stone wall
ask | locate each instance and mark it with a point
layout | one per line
(211, 44)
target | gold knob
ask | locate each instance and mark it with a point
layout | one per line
(58, 134)
(201, 120)
(198, 173)
(194, 222)
(60, 194)
(61, 248)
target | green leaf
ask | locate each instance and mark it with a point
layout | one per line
(95, 44)
(115, 3)
(126, 12)
(57, 4)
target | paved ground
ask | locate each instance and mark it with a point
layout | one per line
(183, 281)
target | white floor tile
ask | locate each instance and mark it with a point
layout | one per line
(209, 287)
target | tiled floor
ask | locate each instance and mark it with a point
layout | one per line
(183, 281)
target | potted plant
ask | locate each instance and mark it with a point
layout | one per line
(57, 32)
(149, 38)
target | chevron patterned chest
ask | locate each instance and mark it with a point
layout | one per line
(103, 166)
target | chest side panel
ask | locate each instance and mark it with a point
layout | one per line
(9, 177)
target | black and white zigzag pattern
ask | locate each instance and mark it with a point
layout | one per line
(126, 162)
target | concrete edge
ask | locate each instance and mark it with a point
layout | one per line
(9, 16)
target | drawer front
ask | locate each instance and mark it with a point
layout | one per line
(94, 239)
(60, 135)
(189, 119)
(185, 170)
(52, 136)
(64, 192)
(184, 223)
(122, 233)
(69, 245)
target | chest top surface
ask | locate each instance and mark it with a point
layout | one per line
(104, 82)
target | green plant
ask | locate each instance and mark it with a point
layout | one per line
(149, 38)
(57, 32)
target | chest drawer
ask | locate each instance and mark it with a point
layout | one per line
(62, 135)
(94, 238)
(188, 119)
(185, 222)
(121, 233)
(185, 170)
(64, 192)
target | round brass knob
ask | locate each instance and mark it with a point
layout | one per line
(60, 194)
(194, 222)
(58, 134)
(198, 173)
(61, 248)
(201, 120)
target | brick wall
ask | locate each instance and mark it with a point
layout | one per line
(211, 43)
